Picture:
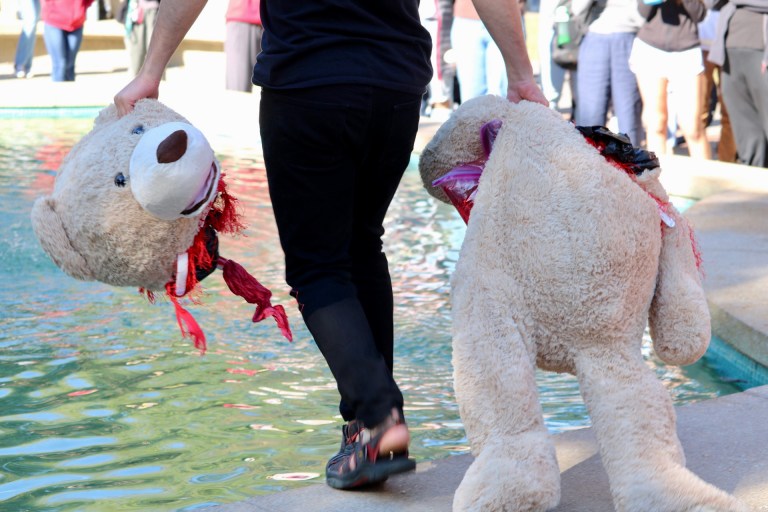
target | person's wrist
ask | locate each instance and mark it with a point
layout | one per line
(151, 73)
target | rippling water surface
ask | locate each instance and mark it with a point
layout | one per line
(102, 401)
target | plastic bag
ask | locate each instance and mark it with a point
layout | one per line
(617, 148)
(460, 185)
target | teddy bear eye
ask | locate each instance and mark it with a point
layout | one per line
(138, 130)
(120, 180)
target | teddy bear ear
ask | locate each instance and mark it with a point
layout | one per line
(52, 236)
(106, 115)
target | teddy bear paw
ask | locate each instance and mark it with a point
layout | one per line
(679, 491)
(495, 483)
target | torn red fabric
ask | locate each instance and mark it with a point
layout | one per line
(222, 217)
(243, 284)
(187, 323)
(696, 250)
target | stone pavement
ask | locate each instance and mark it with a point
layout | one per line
(725, 440)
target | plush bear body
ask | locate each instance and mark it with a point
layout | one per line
(566, 260)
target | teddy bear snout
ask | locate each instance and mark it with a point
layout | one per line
(173, 171)
(172, 148)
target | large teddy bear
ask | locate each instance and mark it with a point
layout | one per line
(139, 201)
(567, 258)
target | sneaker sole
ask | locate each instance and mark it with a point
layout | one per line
(371, 473)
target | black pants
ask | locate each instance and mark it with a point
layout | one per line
(334, 157)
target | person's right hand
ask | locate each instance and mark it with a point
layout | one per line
(526, 90)
(137, 89)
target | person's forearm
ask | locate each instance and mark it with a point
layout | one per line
(174, 19)
(503, 20)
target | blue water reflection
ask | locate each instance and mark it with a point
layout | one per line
(102, 400)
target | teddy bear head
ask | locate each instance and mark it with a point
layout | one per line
(129, 198)
(139, 201)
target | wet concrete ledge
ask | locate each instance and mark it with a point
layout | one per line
(724, 441)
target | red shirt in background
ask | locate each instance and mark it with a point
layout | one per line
(246, 11)
(68, 15)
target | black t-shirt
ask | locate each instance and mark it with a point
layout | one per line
(323, 42)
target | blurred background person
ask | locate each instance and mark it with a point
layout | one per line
(712, 96)
(140, 20)
(63, 22)
(437, 18)
(604, 80)
(740, 47)
(551, 75)
(29, 14)
(242, 44)
(479, 64)
(666, 54)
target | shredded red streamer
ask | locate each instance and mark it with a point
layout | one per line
(187, 323)
(223, 217)
(243, 284)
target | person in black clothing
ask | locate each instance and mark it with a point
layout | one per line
(341, 86)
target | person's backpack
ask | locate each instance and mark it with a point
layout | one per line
(570, 29)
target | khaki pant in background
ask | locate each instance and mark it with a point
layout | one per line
(241, 47)
(137, 40)
(726, 146)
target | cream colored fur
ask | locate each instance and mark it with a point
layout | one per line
(563, 265)
(95, 230)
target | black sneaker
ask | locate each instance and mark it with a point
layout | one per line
(371, 467)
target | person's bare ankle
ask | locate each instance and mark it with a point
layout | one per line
(395, 437)
(395, 440)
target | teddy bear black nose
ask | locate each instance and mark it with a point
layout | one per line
(172, 148)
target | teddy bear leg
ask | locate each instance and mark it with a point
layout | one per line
(515, 468)
(634, 421)
(679, 315)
